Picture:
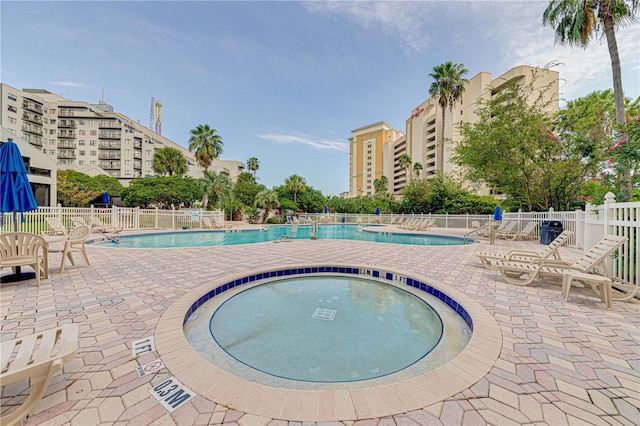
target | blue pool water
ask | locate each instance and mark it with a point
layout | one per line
(326, 329)
(272, 233)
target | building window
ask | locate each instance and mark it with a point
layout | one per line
(127, 141)
(92, 153)
(11, 120)
(81, 162)
(82, 122)
(52, 121)
(52, 110)
(127, 162)
(45, 121)
(52, 152)
(127, 152)
(92, 162)
(147, 152)
(12, 96)
(148, 163)
(12, 108)
(52, 131)
(82, 142)
(93, 132)
(127, 172)
(92, 142)
(82, 132)
(82, 152)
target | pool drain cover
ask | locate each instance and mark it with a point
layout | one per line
(324, 314)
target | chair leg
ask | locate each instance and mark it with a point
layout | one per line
(83, 252)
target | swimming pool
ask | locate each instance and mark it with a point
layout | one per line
(272, 233)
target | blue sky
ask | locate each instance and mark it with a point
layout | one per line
(285, 82)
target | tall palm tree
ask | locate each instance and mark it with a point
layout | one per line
(416, 169)
(577, 21)
(447, 87)
(206, 144)
(253, 164)
(215, 186)
(267, 199)
(295, 184)
(405, 162)
(169, 160)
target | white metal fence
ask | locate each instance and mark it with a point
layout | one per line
(588, 226)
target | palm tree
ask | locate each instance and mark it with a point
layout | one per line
(380, 184)
(214, 185)
(169, 160)
(447, 87)
(416, 169)
(295, 184)
(206, 144)
(576, 22)
(267, 199)
(405, 162)
(253, 164)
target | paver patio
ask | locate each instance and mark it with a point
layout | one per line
(561, 362)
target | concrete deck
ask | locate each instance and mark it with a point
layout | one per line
(572, 362)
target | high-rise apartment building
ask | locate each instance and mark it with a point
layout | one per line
(366, 156)
(424, 140)
(78, 133)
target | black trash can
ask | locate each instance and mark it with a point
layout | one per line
(549, 230)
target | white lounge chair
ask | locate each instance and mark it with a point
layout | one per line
(97, 224)
(55, 226)
(294, 232)
(36, 357)
(506, 230)
(527, 256)
(526, 233)
(521, 273)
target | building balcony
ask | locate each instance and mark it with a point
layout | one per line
(110, 165)
(32, 118)
(32, 106)
(114, 155)
(110, 134)
(108, 124)
(62, 154)
(67, 134)
(32, 129)
(66, 144)
(137, 165)
(66, 113)
(67, 123)
(137, 155)
(114, 173)
(110, 145)
(137, 144)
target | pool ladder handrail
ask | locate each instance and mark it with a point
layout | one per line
(487, 226)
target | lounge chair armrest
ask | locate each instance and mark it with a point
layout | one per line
(516, 252)
(552, 262)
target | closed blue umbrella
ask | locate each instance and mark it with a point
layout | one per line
(105, 198)
(326, 209)
(378, 211)
(15, 191)
(497, 214)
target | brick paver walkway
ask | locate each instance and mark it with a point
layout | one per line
(561, 362)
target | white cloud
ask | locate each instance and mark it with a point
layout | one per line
(406, 21)
(67, 83)
(305, 140)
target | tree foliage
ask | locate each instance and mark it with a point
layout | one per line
(440, 195)
(246, 188)
(75, 189)
(169, 161)
(206, 144)
(513, 149)
(162, 191)
(296, 184)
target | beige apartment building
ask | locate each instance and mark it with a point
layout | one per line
(81, 135)
(424, 140)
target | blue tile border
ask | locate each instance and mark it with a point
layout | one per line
(388, 276)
